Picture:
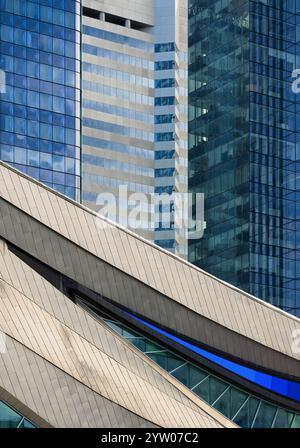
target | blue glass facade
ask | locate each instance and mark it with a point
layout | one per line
(40, 108)
(243, 144)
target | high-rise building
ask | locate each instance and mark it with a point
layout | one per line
(244, 144)
(134, 90)
(40, 98)
(118, 103)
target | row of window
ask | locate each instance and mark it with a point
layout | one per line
(30, 54)
(63, 165)
(164, 136)
(118, 147)
(164, 47)
(117, 129)
(164, 83)
(58, 29)
(274, 9)
(41, 101)
(118, 75)
(37, 71)
(236, 404)
(121, 58)
(164, 65)
(138, 170)
(36, 129)
(164, 172)
(165, 101)
(37, 115)
(40, 42)
(47, 177)
(131, 114)
(117, 38)
(164, 119)
(113, 183)
(161, 155)
(127, 95)
(19, 86)
(36, 144)
(33, 6)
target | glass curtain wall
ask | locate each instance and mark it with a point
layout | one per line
(244, 144)
(40, 104)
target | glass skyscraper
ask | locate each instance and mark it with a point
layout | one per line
(244, 144)
(40, 105)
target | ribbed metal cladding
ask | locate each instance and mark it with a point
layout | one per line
(71, 371)
(139, 275)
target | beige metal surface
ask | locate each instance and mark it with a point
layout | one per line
(56, 346)
(150, 265)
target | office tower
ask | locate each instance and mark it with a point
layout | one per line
(40, 103)
(100, 328)
(134, 110)
(118, 103)
(244, 144)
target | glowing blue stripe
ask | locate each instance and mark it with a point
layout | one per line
(289, 389)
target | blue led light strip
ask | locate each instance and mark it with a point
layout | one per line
(286, 388)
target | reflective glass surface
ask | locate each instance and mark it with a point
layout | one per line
(9, 418)
(40, 108)
(243, 144)
(286, 388)
(236, 404)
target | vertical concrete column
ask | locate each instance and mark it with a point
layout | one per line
(128, 23)
(102, 16)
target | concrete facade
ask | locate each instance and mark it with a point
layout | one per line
(134, 110)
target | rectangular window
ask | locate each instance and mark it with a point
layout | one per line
(165, 101)
(164, 137)
(164, 83)
(164, 119)
(163, 48)
(164, 65)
